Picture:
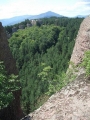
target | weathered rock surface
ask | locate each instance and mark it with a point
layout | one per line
(71, 103)
(82, 41)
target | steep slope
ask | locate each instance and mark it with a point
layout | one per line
(13, 111)
(73, 101)
(82, 42)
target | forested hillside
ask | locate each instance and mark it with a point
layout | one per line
(42, 53)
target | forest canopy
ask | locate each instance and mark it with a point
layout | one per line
(42, 53)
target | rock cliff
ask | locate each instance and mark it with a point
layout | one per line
(5, 54)
(73, 101)
(82, 42)
(13, 111)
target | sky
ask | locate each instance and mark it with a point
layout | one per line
(70, 8)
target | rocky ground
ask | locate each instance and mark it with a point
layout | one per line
(71, 103)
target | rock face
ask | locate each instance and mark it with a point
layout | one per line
(5, 54)
(73, 101)
(82, 41)
(13, 111)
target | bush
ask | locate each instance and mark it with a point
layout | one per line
(7, 85)
(56, 82)
(86, 63)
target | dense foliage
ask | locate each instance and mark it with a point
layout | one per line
(63, 22)
(42, 53)
(8, 84)
(86, 63)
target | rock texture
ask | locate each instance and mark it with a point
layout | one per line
(73, 101)
(13, 111)
(82, 41)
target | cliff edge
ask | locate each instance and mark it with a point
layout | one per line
(82, 42)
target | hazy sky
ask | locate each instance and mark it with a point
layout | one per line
(11, 8)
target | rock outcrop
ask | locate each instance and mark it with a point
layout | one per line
(73, 101)
(13, 111)
(82, 42)
(5, 54)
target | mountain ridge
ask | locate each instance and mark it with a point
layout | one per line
(48, 14)
(17, 19)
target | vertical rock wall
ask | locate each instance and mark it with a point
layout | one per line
(13, 111)
(82, 43)
(5, 54)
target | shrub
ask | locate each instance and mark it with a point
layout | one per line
(8, 83)
(86, 63)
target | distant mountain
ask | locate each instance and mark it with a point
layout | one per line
(81, 16)
(46, 15)
(14, 20)
(17, 19)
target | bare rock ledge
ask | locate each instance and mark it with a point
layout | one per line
(71, 103)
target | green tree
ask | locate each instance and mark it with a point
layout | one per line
(49, 44)
(55, 82)
(86, 63)
(7, 85)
